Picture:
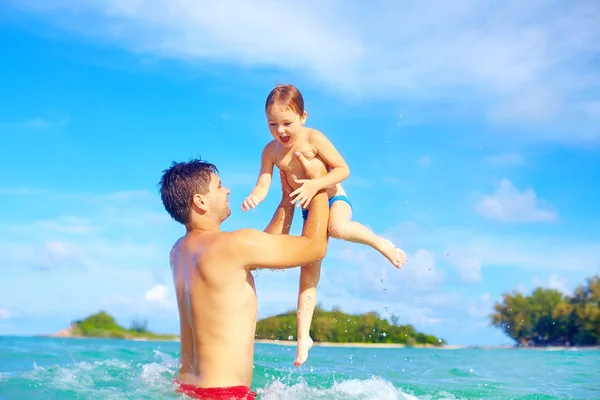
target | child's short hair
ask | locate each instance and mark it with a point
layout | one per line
(287, 96)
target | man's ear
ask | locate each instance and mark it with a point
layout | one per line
(199, 202)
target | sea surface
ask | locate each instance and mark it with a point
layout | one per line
(55, 368)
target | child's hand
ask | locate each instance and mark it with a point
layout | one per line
(250, 202)
(304, 194)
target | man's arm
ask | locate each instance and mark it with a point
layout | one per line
(256, 248)
(284, 214)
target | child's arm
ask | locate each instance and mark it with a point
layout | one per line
(259, 193)
(333, 159)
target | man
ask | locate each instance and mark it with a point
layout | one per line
(215, 289)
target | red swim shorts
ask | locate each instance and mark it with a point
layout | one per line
(219, 393)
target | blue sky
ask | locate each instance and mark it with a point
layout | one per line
(472, 133)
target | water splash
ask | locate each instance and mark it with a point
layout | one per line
(370, 389)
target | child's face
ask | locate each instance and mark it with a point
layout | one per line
(285, 125)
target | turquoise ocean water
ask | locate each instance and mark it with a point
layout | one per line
(53, 368)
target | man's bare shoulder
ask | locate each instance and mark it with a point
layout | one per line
(240, 236)
(239, 245)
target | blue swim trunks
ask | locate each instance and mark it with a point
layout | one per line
(332, 200)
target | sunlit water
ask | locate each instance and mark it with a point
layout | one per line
(47, 368)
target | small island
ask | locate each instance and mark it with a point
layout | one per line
(337, 327)
(547, 317)
(329, 328)
(102, 325)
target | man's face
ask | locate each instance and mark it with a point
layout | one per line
(217, 198)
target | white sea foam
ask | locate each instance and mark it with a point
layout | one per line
(369, 389)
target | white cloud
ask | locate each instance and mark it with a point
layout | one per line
(38, 124)
(479, 307)
(43, 123)
(522, 59)
(524, 251)
(531, 251)
(121, 231)
(121, 291)
(112, 258)
(65, 224)
(44, 255)
(529, 104)
(358, 280)
(468, 267)
(118, 300)
(510, 205)
(554, 281)
(159, 294)
(19, 191)
(591, 108)
(4, 313)
(507, 160)
(419, 273)
(424, 161)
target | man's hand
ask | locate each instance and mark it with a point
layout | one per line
(309, 187)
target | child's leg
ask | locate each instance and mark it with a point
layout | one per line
(307, 300)
(342, 227)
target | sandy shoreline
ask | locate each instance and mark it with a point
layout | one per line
(361, 345)
(418, 346)
(68, 334)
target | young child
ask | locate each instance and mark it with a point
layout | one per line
(294, 145)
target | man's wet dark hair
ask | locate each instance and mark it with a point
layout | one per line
(180, 182)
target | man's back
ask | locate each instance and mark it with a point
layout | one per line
(218, 306)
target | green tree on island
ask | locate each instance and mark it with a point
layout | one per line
(549, 318)
(338, 327)
(103, 325)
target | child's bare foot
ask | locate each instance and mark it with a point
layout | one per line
(391, 252)
(303, 346)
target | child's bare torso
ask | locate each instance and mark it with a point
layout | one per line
(285, 160)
